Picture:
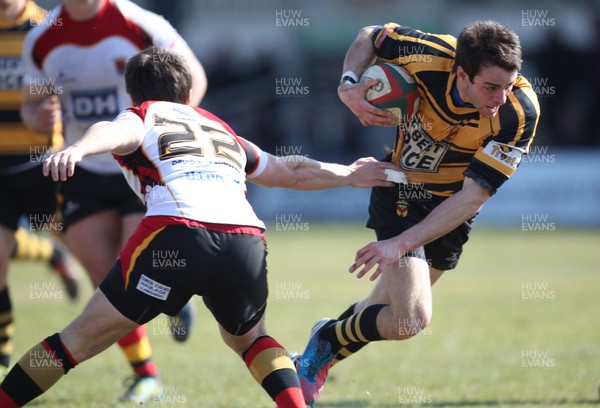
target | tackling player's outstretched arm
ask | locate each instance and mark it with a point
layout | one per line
(302, 173)
(444, 218)
(359, 57)
(121, 136)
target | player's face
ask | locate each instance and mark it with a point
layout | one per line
(488, 90)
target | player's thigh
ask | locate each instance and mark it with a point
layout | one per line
(95, 240)
(96, 328)
(408, 286)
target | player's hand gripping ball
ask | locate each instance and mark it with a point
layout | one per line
(396, 91)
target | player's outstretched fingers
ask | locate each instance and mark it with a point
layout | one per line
(62, 167)
(46, 166)
(53, 166)
(365, 258)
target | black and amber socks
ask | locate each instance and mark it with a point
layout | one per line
(6, 327)
(359, 328)
(32, 247)
(271, 367)
(352, 348)
(138, 352)
(38, 370)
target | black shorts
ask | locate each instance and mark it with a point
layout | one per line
(393, 210)
(27, 193)
(166, 262)
(88, 193)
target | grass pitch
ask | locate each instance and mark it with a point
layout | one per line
(515, 325)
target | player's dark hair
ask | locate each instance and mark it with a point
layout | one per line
(487, 43)
(157, 74)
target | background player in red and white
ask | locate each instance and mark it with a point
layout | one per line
(75, 61)
(26, 194)
(476, 119)
(191, 169)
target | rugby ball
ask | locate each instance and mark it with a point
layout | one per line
(396, 91)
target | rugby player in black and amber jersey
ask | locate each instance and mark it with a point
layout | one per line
(476, 119)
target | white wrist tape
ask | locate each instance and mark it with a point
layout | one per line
(395, 176)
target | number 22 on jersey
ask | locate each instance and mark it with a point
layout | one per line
(184, 141)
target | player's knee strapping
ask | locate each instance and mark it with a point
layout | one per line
(271, 367)
(38, 370)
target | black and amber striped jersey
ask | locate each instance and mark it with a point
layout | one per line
(17, 143)
(446, 140)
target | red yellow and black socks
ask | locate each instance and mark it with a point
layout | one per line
(38, 370)
(138, 352)
(271, 366)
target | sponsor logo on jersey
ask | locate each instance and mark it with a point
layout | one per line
(11, 73)
(508, 155)
(97, 104)
(420, 152)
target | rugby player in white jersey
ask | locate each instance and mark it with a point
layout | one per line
(75, 61)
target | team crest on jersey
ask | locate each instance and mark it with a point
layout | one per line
(120, 65)
(507, 155)
(402, 208)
